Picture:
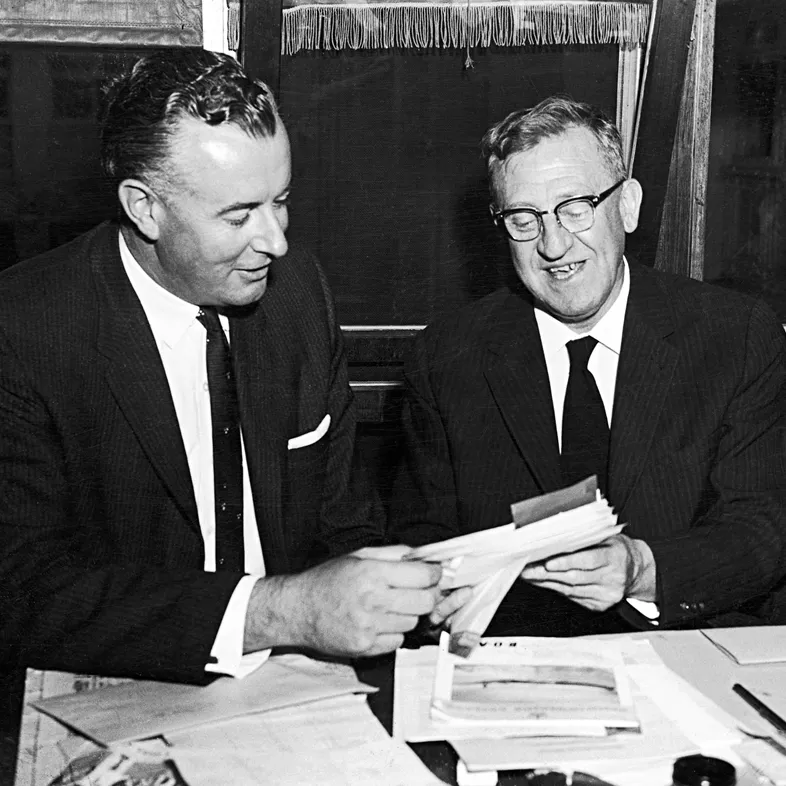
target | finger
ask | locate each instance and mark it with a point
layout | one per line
(450, 604)
(416, 575)
(581, 593)
(571, 578)
(410, 601)
(384, 553)
(588, 559)
(539, 573)
(397, 623)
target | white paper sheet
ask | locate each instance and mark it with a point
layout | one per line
(334, 742)
(137, 710)
(534, 686)
(750, 645)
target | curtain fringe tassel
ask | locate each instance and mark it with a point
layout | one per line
(366, 26)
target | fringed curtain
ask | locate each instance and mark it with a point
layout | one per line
(386, 116)
(362, 24)
(107, 22)
(355, 24)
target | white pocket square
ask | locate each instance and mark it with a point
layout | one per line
(310, 437)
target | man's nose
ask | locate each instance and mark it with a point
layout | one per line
(269, 236)
(554, 241)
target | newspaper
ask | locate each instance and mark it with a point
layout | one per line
(522, 687)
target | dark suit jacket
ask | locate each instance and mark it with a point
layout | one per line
(697, 456)
(100, 548)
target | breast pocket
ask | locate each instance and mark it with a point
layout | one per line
(307, 457)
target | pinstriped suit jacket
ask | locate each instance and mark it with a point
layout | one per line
(100, 548)
(697, 455)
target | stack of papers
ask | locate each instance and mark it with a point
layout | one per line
(673, 718)
(294, 720)
(491, 560)
(533, 687)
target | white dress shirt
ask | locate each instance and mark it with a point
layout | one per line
(603, 363)
(181, 342)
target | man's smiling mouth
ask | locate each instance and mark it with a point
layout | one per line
(564, 271)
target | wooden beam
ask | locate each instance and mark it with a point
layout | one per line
(260, 40)
(660, 111)
(681, 239)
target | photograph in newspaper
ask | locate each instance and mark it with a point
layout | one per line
(536, 685)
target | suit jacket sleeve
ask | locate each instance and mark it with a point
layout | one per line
(733, 554)
(60, 611)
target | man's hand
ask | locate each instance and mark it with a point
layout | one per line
(348, 606)
(449, 603)
(599, 577)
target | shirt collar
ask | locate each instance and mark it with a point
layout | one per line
(554, 335)
(168, 315)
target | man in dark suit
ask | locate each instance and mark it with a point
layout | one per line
(113, 545)
(687, 380)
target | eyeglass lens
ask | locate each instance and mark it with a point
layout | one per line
(575, 216)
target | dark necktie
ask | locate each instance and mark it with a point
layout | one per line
(227, 456)
(585, 430)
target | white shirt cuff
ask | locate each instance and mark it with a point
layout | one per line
(228, 645)
(647, 609)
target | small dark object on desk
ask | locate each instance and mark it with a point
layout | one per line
(753, 701)
(703, 771)
(537, 778)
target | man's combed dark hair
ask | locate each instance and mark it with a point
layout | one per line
(522, 130)
(142, 108)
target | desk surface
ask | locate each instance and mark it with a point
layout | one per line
(689, 653)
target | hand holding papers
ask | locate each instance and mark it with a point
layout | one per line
(491, 560)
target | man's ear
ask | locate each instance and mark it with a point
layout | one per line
(630, 204)
(141, 205)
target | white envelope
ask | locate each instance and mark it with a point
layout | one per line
(310, 437)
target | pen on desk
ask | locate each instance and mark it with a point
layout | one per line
(771, 717)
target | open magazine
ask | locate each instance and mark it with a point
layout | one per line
(491, 560)
(534, 686)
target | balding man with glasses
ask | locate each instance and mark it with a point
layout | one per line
(671, 391)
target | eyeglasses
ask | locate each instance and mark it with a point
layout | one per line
(576, 214)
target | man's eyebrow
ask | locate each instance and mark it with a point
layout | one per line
(235, 206)
(238, 206)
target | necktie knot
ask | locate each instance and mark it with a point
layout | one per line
(580, 351)
(585, 430)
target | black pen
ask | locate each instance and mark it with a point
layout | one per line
(771, 717)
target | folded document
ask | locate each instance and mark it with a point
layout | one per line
(489, 561)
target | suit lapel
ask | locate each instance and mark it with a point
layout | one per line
(646, 366)
(516, 373)
(136, 376)
(264, 396)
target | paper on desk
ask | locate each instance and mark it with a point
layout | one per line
(333, 742)
(530, 686)
(658, 738)
(146, 709)
(675, 721)
(750, 645)
(415, 674)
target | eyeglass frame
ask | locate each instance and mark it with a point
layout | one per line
(498, 216)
